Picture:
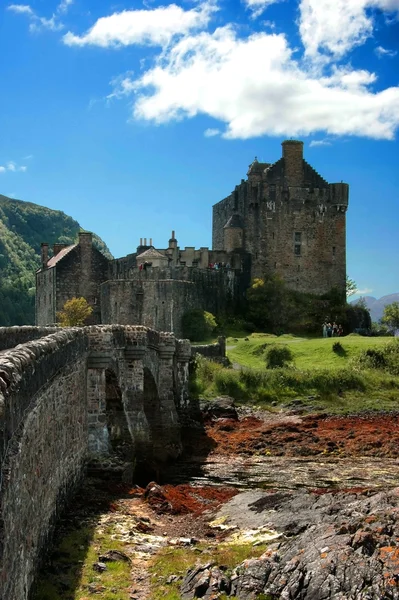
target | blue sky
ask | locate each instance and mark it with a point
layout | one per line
(136, 117)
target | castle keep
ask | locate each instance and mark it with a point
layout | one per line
(285, 219)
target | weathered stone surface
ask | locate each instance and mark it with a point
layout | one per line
(54, 409)
(222, 407)
(207, 581)
(334, 546)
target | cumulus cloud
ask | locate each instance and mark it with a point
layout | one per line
(12, 167)
(64, 6)
(154, 27)
(257, 7)
(256, 88)
(334, 27)
(380, 52)
(211, 132)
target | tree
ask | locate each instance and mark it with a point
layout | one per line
(351, 287)
(198, 325)
(391, 315)
(74, 313)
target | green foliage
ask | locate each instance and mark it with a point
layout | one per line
(275, 308)
(75, 313)
(23, 226)
(351, 287)
(385, 358)
(391, 315)
(198, 325)
(278, 355)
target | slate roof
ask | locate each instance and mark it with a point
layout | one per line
(55, 259)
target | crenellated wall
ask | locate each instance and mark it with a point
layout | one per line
(69, 396)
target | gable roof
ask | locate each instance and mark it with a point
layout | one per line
(152, 253)
(55, 259)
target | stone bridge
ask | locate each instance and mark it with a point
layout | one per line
(68, 396)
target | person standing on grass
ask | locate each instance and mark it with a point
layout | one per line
(329, 329)
(324, 329)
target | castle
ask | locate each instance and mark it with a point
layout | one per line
(284, 219)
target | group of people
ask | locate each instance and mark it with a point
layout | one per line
(332, 329)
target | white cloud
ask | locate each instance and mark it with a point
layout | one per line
(314, 143)
(211, 132)
(151, 27)
(12, 167)
(380, 52)
(257, 7)
(337, 26)
(64, 6)
(363, 291)
(38, 23)
(256, 87)
(21, 8)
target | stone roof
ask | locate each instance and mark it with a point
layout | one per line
(55, 259)
(234, 221)
(151, 253)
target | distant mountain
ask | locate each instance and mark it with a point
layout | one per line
(23, 226)
(376, 306)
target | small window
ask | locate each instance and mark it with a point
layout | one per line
(298, 237)
(49, 298)
(297, 249)
(333, 250)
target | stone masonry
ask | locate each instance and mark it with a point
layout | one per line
(284, 220)
(69, 396)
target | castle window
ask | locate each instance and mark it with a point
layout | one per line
(333, 250)
(297, 243)
(49, 298)
(272, 192)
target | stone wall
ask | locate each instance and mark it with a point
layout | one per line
(294, 222)
(12, 336)
(212, 351)
(43, 447)
(153, 299)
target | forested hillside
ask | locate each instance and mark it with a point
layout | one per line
(23, 226)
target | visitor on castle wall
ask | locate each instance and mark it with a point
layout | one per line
(324, 329)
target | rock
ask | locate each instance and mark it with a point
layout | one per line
(100, 567)
(205, 581)
(156, 498)
(222, 407)
(113, 556)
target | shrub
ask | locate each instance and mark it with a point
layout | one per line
(198, 325)
(278, 355)
(227, 382)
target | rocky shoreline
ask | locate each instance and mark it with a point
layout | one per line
(313, 499)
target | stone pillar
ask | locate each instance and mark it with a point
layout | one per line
(44, 254)
(183, 356)
(170, 446)
(85, 245)
(96, 406)
(293, 162)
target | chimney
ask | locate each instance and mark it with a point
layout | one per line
(293, 162)
(141, 241)
(150, 241)
(173, 241)
(58, 247)
(44, 253)
(145, 241)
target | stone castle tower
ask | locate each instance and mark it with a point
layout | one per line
(289, 220)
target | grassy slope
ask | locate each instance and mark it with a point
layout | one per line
(320, 379)
(308, 353)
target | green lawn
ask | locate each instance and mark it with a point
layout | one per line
(316, 353)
